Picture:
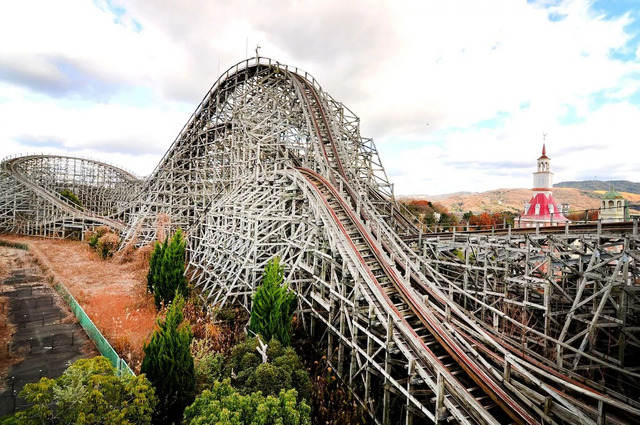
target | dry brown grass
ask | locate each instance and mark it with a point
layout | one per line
(163, 223)
(219, 335)
(113, 293)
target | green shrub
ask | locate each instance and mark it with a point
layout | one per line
(72, 197)
(283, 370)
(224, 405)
(208, 364)
(88, 392)
(168, 364)
(273, 305)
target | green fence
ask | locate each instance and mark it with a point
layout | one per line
(96, 336)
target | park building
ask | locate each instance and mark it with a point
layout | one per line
(542, 210)
(613, 207)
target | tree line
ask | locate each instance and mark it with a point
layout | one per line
(434, 216)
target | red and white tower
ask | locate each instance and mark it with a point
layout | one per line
(542, 209)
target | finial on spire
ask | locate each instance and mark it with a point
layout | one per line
(544, 149)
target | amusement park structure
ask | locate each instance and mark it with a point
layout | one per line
(527, 326)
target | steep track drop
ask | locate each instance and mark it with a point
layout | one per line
(269, 164)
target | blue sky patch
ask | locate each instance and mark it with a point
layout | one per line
(493, 123)
(571, 117)
(120, 14)
(555, 16)
(635, 98)
(609, 96)
(615, 8)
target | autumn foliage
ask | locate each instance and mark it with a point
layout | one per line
(580, 216)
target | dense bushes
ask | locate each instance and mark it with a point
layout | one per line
(224, 405)
(103, 240)
(265, 383)
(283, 369)
(208, 364)
(88, 392)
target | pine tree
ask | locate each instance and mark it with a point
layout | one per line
(173, 267)
(168, 364)
(273, 305)
(154, 264)
(166, 270)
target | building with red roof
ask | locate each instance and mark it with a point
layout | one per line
(542, 209)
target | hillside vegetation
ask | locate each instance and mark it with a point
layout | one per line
(512, 200)
(598, 185)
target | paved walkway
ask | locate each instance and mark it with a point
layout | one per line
(47, 335)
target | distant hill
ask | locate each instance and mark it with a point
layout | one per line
(592, 185)
(580, 195)
(509, 200)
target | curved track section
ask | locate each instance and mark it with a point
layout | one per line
(269, 164)
(32, 201)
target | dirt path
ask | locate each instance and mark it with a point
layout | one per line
(43, 337)
(112, 293)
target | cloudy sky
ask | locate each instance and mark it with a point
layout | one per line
(456, 94)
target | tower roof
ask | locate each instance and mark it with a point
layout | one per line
(544, 212)
(544, 152)
(612, 194)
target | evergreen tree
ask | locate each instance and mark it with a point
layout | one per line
(166, 270)
(154, 265)
(168, 364)
(173, 267)
(273, 305)
(72, 197)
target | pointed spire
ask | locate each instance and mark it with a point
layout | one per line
(544, 152)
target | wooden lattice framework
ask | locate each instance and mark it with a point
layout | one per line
(470, 329)
(32, 201)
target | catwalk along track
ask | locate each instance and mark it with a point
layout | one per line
(470, 329)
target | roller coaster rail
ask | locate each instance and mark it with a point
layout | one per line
(521, 326)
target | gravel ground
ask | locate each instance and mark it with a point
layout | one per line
(41, 336)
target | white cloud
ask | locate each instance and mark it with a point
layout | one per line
(85, 76)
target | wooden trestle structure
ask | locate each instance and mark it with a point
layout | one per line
(465, 328)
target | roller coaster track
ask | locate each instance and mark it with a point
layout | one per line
(63, 212)
(392, 283)
(459, 328)
(330, 151)
(424, 336)
(389, 285)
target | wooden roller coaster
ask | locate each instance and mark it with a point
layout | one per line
(527, 326)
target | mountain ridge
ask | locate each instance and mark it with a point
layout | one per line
(619, 185)
(579, 197)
